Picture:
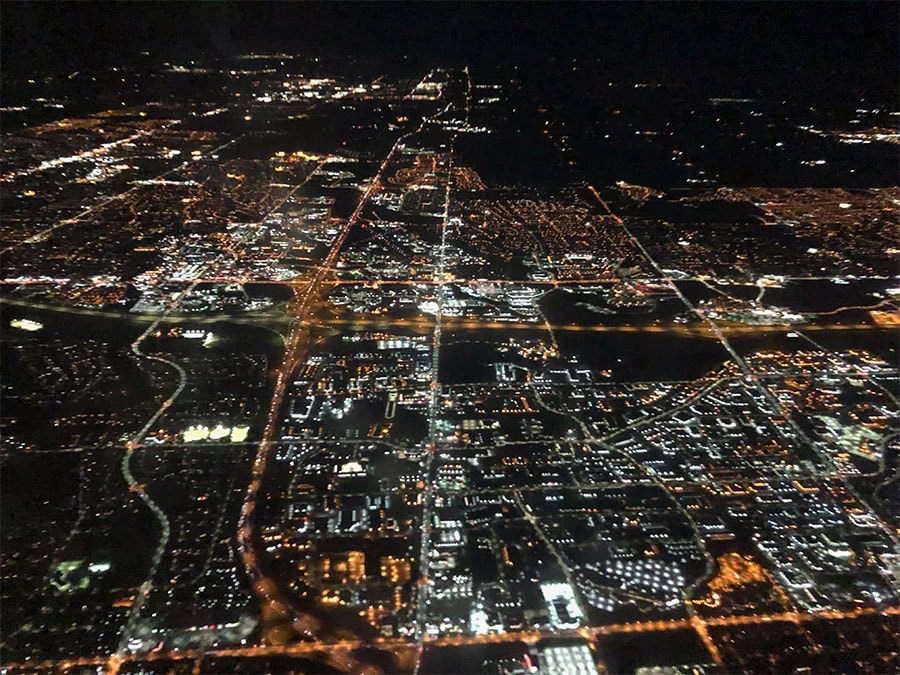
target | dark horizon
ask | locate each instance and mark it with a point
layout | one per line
(852, 43)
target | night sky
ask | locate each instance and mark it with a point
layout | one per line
(852, 44)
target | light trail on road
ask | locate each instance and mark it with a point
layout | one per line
(423, 587)
(697, 330)
(528, 636)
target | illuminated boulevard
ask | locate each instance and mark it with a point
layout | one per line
(341, 650)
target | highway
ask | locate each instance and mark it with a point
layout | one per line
(500, 280)
(423, 586)
(340, 649)
(688, 330)
(452, 322)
